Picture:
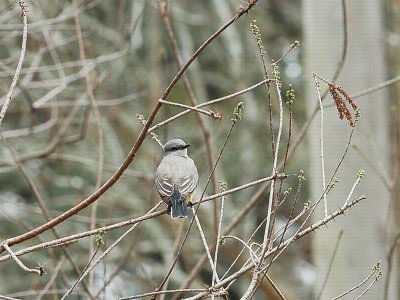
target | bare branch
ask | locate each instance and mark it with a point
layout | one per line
(19, 65)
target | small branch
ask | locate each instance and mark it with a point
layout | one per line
(374, 270)
(275, 287)
(360, 174)
(20, 263)
(209, 113)
(179, 235)
(203, 239)
(219, 228)
(292, 46)
(375, 88)
(369, 287)
(19, 65)
(321, 140)
(218, 100)
(253, 255)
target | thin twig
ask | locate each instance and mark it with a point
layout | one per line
(375, 88)
(106, 252)
(292, 46)
(203, 239)
(353, 188)
(313, 208)
(92, 256)
(275, 287)
(218, 100)
(374, 270)
(19, 262)
(209, 113)
(19, 65)
(321, 141)
(253, 255)
(368, 288)
(178, 238)
(221, 216)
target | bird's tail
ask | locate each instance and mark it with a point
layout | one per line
(178, 205)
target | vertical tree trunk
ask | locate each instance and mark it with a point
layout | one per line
(366, 227)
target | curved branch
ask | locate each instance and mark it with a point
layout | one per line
(19, 65)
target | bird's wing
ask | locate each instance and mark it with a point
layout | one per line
(189, 181)
(165, 186)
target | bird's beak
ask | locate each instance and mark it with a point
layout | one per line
(186, 146)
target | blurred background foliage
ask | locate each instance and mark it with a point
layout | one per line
(131, 62)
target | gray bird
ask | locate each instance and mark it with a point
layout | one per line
(176, 178)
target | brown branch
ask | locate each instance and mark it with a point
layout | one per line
(71, 238)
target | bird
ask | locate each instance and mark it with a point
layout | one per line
(176, 178)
